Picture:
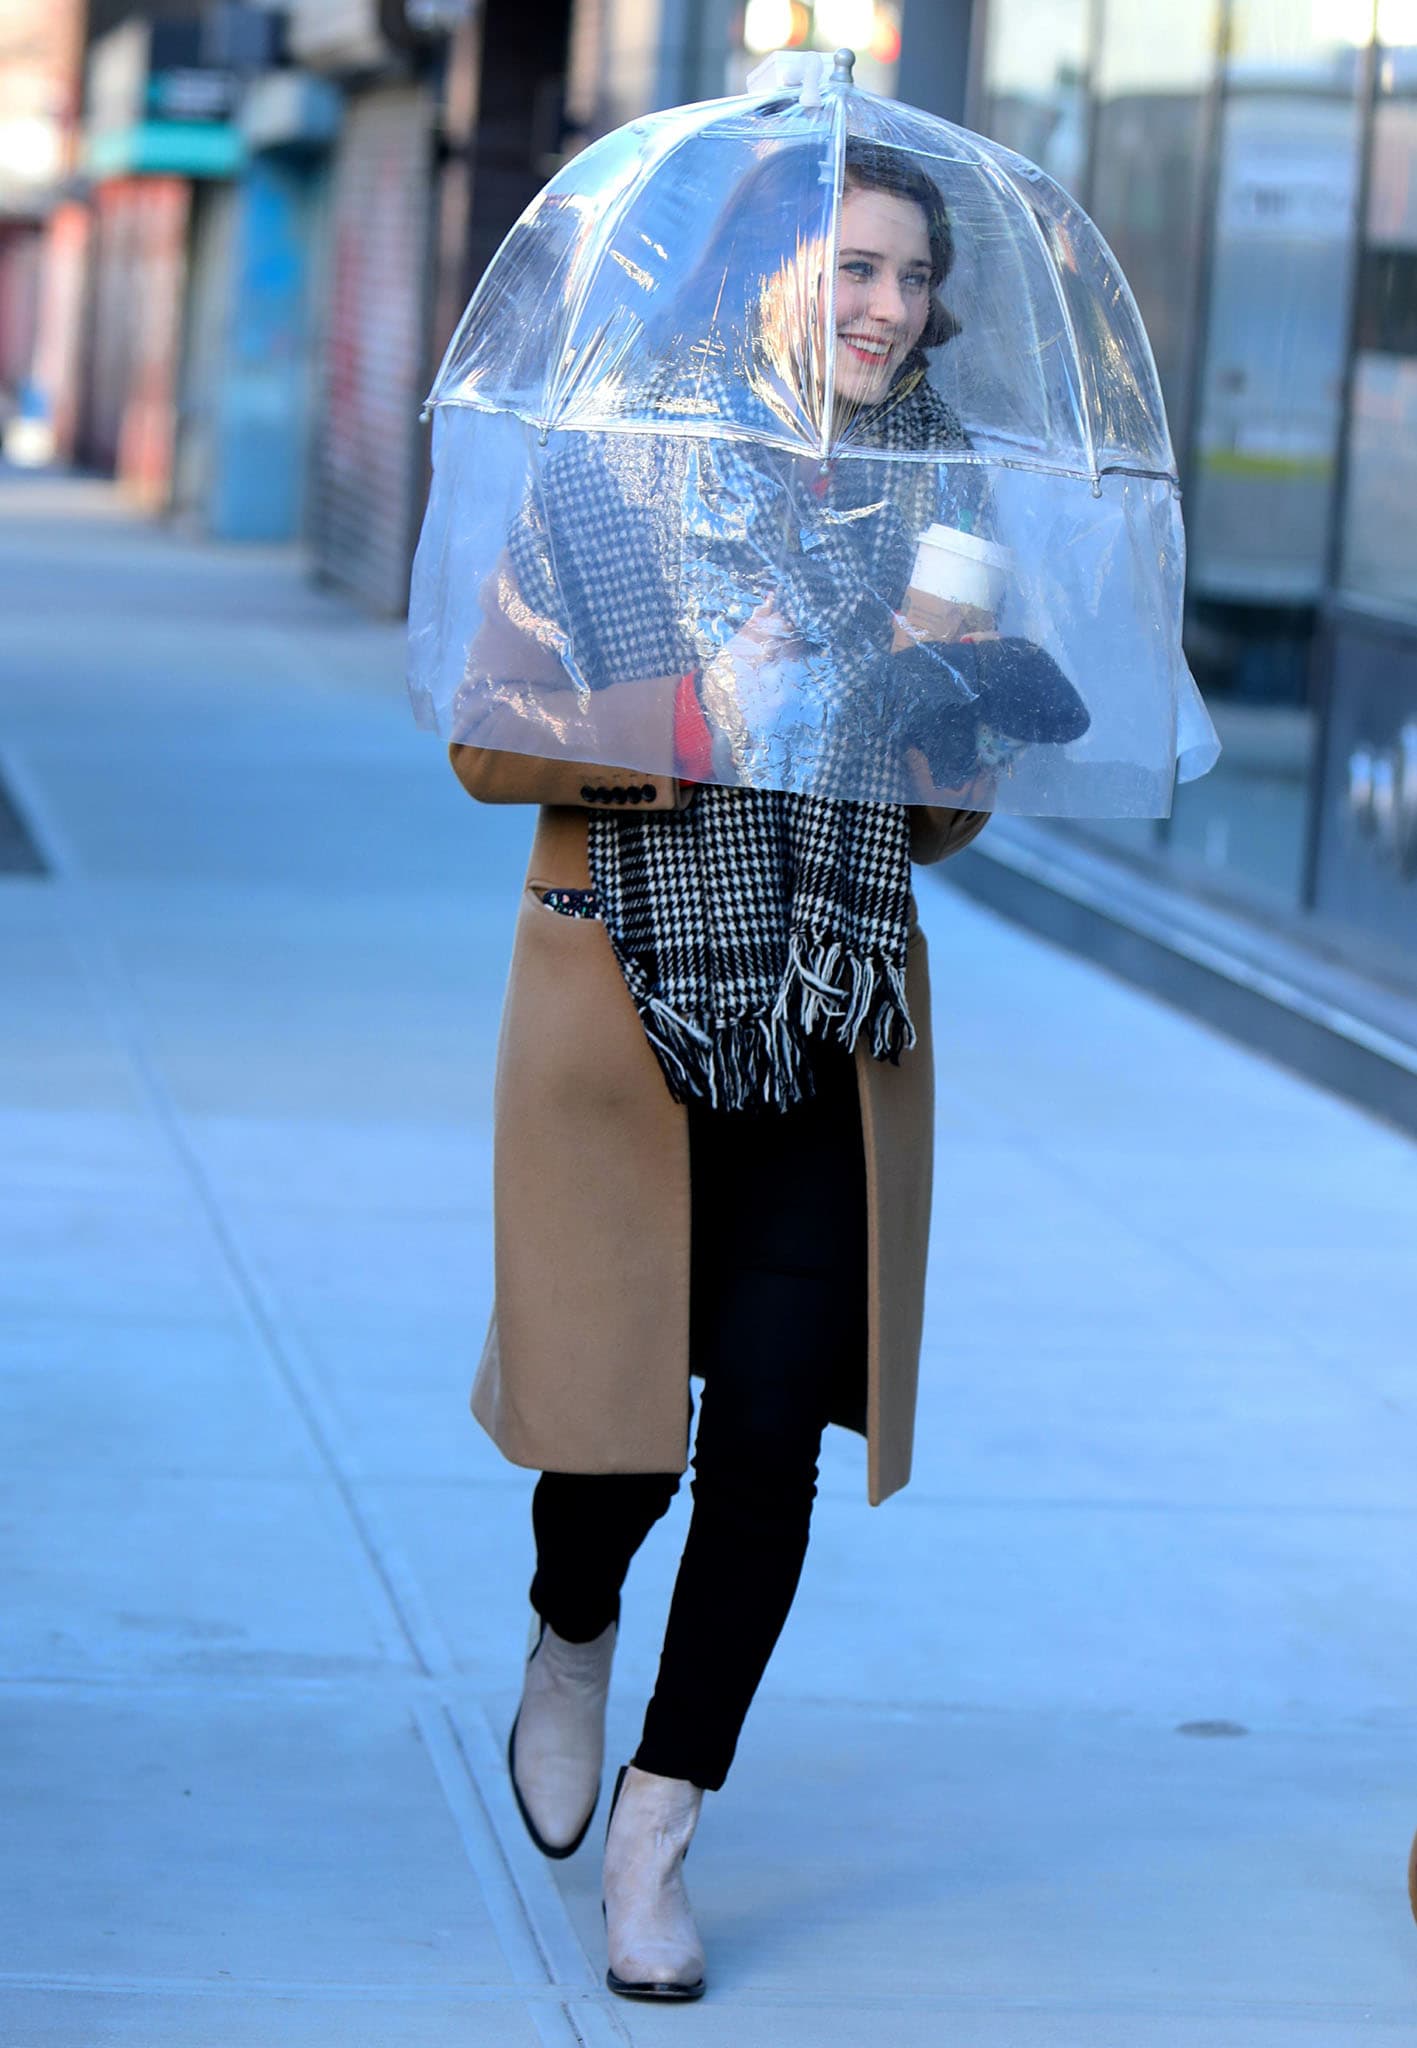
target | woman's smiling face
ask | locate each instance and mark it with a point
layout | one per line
(882, 290)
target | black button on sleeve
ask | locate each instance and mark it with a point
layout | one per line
(649, 792)
(587, 793)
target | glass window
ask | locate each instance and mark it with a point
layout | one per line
(1271, 397)
(1154, 78)
(1035, 96)
(1379, 555)
(1219, 149)
(1265, 448)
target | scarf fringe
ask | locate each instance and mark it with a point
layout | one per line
(751, 1063)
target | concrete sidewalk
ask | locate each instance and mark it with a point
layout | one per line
(1104, 1735)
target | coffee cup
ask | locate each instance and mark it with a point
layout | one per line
(955, 572)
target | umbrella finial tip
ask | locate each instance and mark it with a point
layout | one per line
(843, 67)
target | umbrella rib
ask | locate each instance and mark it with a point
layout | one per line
(726, 430)
(838, 140)
(435, 397)
(606, 229)
(1001, 179)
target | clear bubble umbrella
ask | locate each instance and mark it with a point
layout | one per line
(804, 441)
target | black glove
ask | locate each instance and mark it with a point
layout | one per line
(1018, 691)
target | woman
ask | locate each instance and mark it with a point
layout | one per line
(714, 1107)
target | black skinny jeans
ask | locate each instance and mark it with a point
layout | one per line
(778, 1334)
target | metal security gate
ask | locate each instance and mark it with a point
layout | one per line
(367, 454)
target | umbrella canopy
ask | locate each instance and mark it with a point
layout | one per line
(802, 440)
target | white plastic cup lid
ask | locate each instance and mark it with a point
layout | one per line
(960, 567)
(971, 545)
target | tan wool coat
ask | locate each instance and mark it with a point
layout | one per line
(586, 1365)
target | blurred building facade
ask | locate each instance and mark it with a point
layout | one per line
(1254, 166)
(363, 193)
(231, 260)
(40, 45)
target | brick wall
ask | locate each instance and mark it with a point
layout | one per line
(59, 339)
(21, 246)
(367, 464)
(130, 393)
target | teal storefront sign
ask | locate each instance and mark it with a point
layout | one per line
(183, 149)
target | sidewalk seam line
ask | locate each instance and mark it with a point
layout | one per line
(102, 968)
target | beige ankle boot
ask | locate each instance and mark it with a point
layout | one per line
(655, 1951)
(557, 1745)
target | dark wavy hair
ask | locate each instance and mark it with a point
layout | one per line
(747, 240)
(876, 167)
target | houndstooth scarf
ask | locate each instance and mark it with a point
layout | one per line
(753, 920)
